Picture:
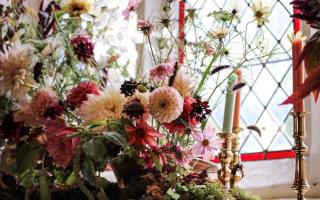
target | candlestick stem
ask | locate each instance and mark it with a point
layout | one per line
(225, 157)
(300, 184)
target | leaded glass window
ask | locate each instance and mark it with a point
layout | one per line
(269, 79)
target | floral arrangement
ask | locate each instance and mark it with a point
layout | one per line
(75, 98)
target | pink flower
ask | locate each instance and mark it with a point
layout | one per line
(44, 100)
(142, 134)
(78, 94)
(180, 155)
(145, 26)
(59, 147)
(132, 7)
(162, 71)
(206, 144)
(149, 158)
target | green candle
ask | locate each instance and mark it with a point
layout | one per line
(229, 105)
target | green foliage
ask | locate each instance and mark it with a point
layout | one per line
(94, 149)
(115, 137)
(27, 155)
(224, 16)
(240, 194)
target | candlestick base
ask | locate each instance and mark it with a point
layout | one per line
(300, 184)
(225, 157)
(235, 165)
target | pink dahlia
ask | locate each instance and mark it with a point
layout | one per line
(78, 94)
(44, 100)
(82, 47)
(142, 134)
(132, 7)
(162, 71)
(206, 144)
(59, 147)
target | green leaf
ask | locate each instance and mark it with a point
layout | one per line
(71, 180)
(173, 194)
(156, 162)
(115, 138)
(96, 123)
(26, 156)
(94, 149)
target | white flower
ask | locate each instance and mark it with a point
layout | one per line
(184, 82)
(261, 12)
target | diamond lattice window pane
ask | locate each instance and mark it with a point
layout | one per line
(269, 80)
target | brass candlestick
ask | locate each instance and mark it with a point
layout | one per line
(225, 157)
(235, 165)
(300, 184)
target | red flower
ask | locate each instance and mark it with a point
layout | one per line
(60, 147)
(142, 134)
(82, 47)
(149, 158)
(311, 84)
(78, 94)
(185, 120)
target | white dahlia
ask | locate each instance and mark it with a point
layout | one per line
(165, 104)
(108, 105)
(16, 76)
(184, 82)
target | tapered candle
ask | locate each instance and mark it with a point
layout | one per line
(229, 105)
(236, 115)
(297, 71)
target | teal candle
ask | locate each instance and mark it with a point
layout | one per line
(229, 105)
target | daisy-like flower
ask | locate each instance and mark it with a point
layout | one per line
(220, 33)
(184, 82)
(165, 104)
(261, 12)
(16, 76)
(79, 94)
(44, 100)
(206, 144)
(132, 7)
(78, 7)
(108, 105)
(162, 71)
(142, 134)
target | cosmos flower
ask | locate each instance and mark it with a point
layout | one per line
(128, 88)
(16, 76)
(78, 94)
(261, 12)
(146, 27)
(206, 144)
(220, 33)
(184, 82)
(162, 71)
(59, 147)
(142, 134)
(108, 105)
(165, 104)
(132, 7)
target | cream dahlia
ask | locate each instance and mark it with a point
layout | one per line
(108, 105)
(184, 82)
(165, 104)
(25, 114)
(16, 77)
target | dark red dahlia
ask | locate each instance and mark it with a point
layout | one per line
(82, 47)
(200, 109)
(78, 94)
(128, 88)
